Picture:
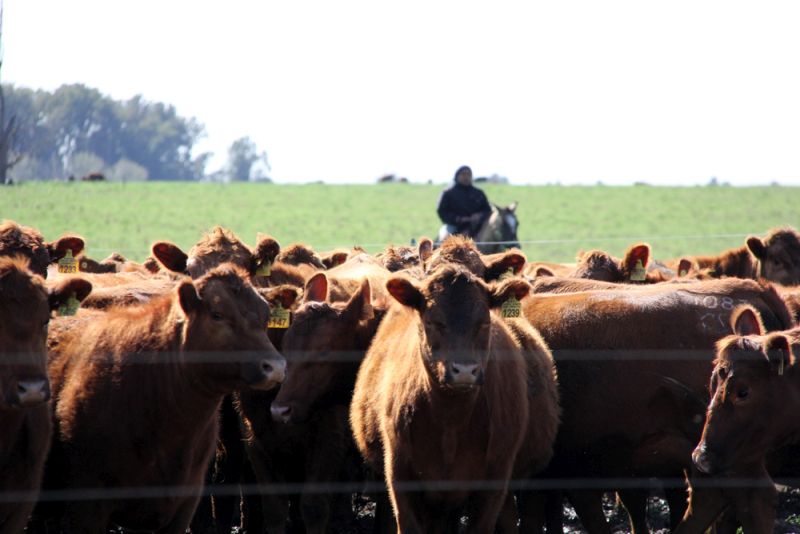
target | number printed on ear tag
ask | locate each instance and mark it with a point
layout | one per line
(511, 308)
(279, 318)
(68, 264)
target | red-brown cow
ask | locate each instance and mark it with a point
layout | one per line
(137, 392)
(220, 246)
(25, 306)
(314, 446)
(775, 258)
(753, 411)
(442, 401)
(457, 249)
(633, 367)
(22, 240)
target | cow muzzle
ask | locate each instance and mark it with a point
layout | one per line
(704, 459)
(464, 375)
(265, 374)
(32, 392)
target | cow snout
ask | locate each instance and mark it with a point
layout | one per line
(32, 392)
(281, 413)
(268, 373)
(465, 374)
(703, 459)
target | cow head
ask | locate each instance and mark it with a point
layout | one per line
(461, 250)
(599, 265)
(778, 256)
(748, 388)
(28, 242)
(215, 248)
(225, 332)
(25, 307)
(324, 347)
(453, 306)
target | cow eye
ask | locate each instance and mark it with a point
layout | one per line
(722, 373)
(217, 316)
(742, 393)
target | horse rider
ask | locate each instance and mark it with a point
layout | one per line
(463, 208)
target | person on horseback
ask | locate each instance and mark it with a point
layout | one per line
(463, 208)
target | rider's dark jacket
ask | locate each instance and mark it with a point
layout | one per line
(458, 202)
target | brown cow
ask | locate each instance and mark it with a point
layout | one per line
(22, 240)
(220, 246)
(442, 403)
(25, 306)
(753, 411)
(137, 392)
(457, 249)
(775, 258)
(313, 448)
(633, 367)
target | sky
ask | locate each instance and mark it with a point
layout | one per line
(539, 92)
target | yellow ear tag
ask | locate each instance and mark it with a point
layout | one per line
(511, 308)
(279, 318)
(68, 264)
(70, 307)
(639, 274)
(508, 274)
(682, 273)
(265, 269)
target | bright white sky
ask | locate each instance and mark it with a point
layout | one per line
(346, 91)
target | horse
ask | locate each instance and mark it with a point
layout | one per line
(497, 232)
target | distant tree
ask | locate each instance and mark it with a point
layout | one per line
(82, 163)
(126, 170)
(8, 124)
(245, 162)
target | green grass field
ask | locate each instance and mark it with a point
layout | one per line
(555, 222)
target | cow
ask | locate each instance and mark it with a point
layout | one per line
(462, 250)
(149, 380)
(753, 412)
(632, 368)
(442, 402)
(302, 257)
(334, 321)
(221, 245)
(396, 258)
(25, 310)
(17, 239)
(776, 257)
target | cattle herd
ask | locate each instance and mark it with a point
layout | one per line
(279, 389)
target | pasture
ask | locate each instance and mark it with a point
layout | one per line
(555, 221)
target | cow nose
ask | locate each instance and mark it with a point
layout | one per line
(280, 412)
(274, 370)
(30, 392)
(703, 459)
(466, 374)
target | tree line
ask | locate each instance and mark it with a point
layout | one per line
(76, 130)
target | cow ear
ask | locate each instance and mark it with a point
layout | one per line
(189, 299)
(684, 267)
(746, 321)
(779, 353)
(425, 249)
(406, 293)
(756, 246)
(513, 287)
(316, 288)
(635, 255)
(170, 256)
(543, 272)
(286, 295)
(71, 286)
(151, 264)
(333, 259)
(267, 249)
(495, 267)
(360, 304)
(58, 248)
